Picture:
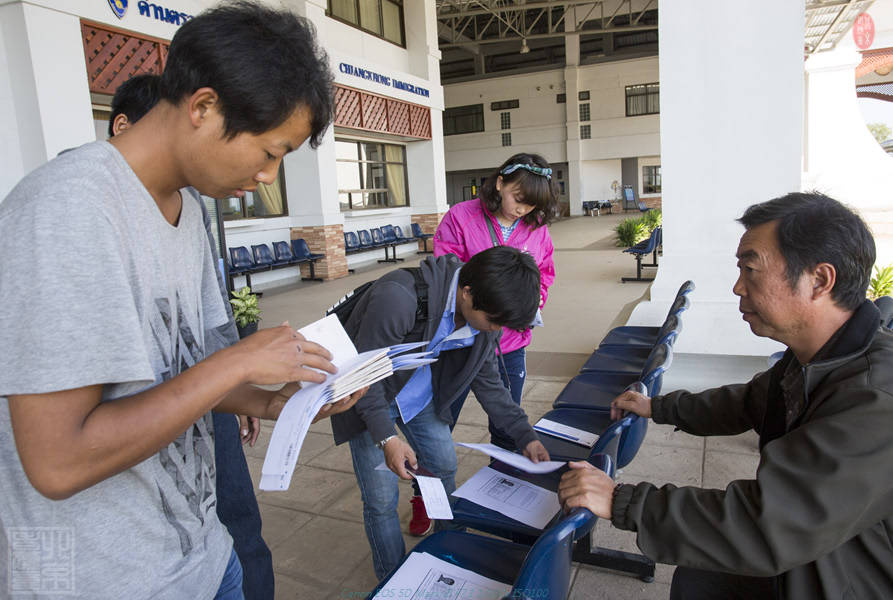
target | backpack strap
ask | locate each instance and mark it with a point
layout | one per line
(421, 313)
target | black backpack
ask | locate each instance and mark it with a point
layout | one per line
(345, 306)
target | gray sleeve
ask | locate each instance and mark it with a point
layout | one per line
(497, 402)
(69, 316)
(386, 320)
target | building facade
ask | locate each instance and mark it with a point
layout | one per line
(377, 165)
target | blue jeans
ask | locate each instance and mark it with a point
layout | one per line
(516, 367)
(231, 585)
(432, 442)
(237, 508)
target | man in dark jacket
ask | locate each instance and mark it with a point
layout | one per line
(467, 306)
(817, 521)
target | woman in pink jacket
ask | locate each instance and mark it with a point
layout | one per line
(516, 204)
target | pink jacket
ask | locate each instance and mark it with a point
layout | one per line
(464, 232)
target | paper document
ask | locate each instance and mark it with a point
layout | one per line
(519, 461)
(423, 576)
(566, 432)
(510, 496)
(355, 371)
(437, 505)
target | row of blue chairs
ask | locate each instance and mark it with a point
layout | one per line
(643, 249)
(387, 237)
(261, 258)
(537, 562)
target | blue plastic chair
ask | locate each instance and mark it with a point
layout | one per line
(642, 249)
(388, 234)
(302, 254)
(282, 254)
(366, 242)
(400, 237)
(643, 337)
(542, 570)
(263, 257)
(421, 235)
(241, 263)
(597, 390)
(351, 243)
(389, 243)
(885, 305)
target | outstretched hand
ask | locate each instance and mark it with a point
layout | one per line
(631, 401)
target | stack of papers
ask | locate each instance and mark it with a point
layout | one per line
(355, 371)
(519, 461)
(566, 432)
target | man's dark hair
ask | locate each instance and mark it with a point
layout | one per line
(505, 284)
(537, 190)
(134, 98)
(813, 229)
(262, 62)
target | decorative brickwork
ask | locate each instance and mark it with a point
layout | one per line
(328, 240)
(653, 202)
(429, 224)
(114, 56)
(357, 109)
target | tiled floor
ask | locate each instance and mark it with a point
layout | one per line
(315, 529)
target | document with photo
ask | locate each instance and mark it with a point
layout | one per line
(510, 496)
(423, 576)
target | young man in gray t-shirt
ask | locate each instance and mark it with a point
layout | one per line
(106, 447)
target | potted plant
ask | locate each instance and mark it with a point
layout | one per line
(246, 311)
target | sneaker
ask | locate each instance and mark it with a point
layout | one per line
(420, 524)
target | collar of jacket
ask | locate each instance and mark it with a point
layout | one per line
(855, 337)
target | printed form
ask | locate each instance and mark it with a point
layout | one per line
(510, 496)
(423, 576)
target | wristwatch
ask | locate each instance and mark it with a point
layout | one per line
(384, 442)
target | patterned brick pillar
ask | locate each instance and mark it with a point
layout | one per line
(653, 202)
(429, 224)
(328, 240)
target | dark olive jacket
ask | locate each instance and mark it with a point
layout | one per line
(819, 514)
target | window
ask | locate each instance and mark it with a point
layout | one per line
(585, 132)
(382, 18)
(505, 120)
(651, 180)
(265, 201)
(506, 139)
(463, 119)
(504, 105)
(559, 174)
(561, 190)
(642, 99)
(584, 95)
(370, 175)
(561, 98)
(584, 112)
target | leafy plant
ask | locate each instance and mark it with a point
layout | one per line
(653, 218)
(631, 231)
(882, 282)
(245, 307)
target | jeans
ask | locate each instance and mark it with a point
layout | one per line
(231, 585)
(516, 367)
(237, 508)
(697, 584)
(432, 442)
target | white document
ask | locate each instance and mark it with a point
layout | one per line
(566, 432)
(355, 371)
(423, 576)
(437, 505)
(510, 496)
(519, 461)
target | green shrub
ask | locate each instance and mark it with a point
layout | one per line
(245, 308)
(882, 282)
(631, 232)
(653, 218)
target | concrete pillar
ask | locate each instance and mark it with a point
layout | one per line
(44, 95)
(731, 131)
(575, 183)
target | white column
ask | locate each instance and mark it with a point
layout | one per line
(731, 132)
(576, 184)
(44, 95)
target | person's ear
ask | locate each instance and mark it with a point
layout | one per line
(499, 184)
(120, 123)
(824, 276)
(202, 105)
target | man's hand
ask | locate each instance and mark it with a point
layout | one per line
(630, 401)
(584, 485)
(536, 452)
(340, 406)
(396, 454)
(279, 354)
(249, 429)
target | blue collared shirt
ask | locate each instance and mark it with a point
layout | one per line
(418, 391)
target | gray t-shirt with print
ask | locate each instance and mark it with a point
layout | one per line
(98, 288)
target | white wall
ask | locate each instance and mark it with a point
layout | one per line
(726, 143)
(596, 177)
